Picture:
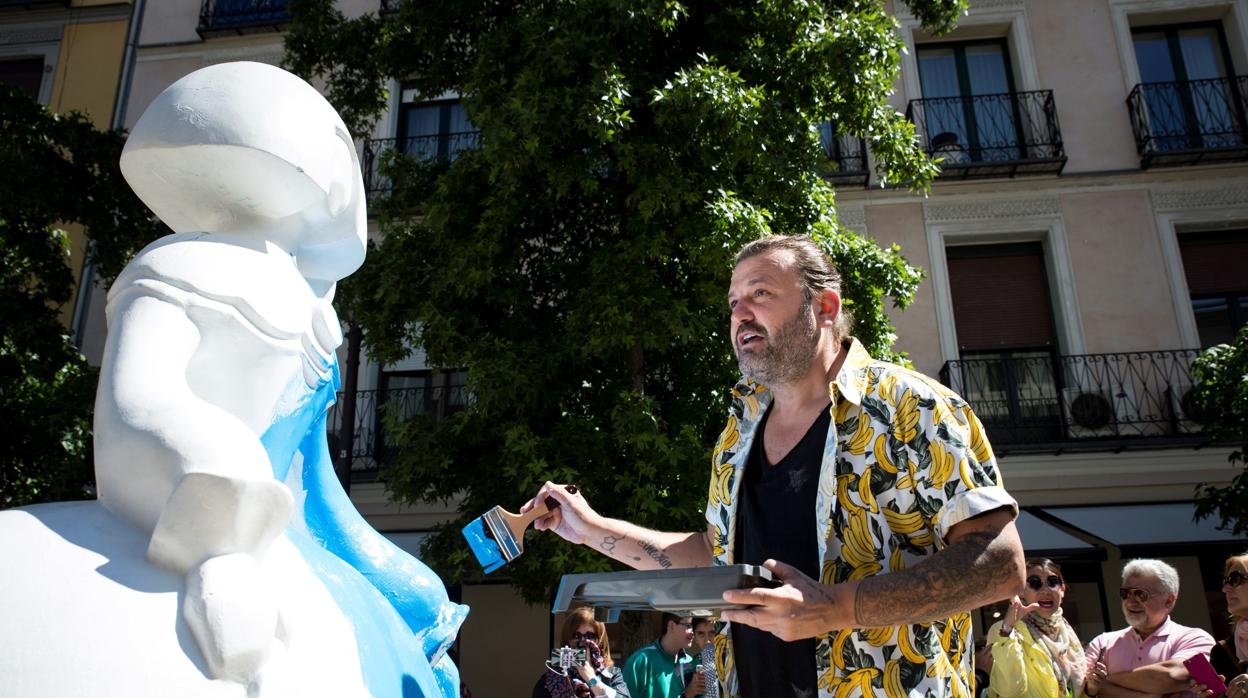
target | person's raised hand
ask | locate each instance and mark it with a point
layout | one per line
(697, 685)
(799, 608)
(572, 520)
(1016, 611)
(1094, 678)
(1237, 687)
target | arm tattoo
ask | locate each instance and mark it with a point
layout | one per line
(656, 553)
(960, 578)
(608, 543)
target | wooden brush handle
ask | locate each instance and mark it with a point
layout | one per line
(519, 522)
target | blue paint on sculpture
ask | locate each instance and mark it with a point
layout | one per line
(410, 620)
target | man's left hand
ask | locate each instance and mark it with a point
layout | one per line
(798, 609)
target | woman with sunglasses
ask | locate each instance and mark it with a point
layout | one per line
(597, 676)
(1230, 656)
(1035, 652)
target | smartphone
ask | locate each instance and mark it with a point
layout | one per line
(1201, 671)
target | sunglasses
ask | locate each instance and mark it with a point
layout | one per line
(1234, 579)
(1053, 581)
(1138, 595)
(591, 637)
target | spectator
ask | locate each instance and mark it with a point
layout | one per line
(664, 669)
(1147, 656)
(703, 634)
(1035, 652)
(597, 677)
(1230, 656)
(983, 668)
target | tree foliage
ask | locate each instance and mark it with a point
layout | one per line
(577, 262)
(54, 170)
(1221, 396)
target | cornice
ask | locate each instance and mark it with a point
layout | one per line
(995, 209)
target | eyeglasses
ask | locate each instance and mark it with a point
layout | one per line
(591, 637)
(1137, 595)
(1036, 583)
(1234, 579)
(685, 625)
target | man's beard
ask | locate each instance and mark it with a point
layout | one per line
(788, 352)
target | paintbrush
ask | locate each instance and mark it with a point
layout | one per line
(497, 536)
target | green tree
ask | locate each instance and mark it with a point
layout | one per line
(54, 170)
(1221, 397)
(577, 262)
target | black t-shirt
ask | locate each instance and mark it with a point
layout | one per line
(777, 521)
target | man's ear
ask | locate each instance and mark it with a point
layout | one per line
(827, 304)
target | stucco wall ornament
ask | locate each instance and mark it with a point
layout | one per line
(222, 557)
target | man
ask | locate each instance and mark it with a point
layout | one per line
(664, 668)
(1145, 658)
(867, 489)
(703, 634)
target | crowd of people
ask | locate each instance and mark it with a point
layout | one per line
(872, 495)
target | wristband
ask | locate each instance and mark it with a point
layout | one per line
(592, 682)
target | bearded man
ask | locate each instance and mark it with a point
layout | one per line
(867, 489)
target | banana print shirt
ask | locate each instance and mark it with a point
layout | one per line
(905, 460)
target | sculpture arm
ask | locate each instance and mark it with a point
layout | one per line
(169, 462)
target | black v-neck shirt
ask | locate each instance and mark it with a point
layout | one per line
(777, 521)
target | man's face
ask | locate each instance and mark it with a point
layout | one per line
(681, 631)
(773, 329)
(703, 634)
(1149, 614)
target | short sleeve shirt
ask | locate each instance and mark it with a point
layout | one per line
(1124, 650)
(904, 461)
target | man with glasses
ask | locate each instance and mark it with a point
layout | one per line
(664, 668)
(1147, 656)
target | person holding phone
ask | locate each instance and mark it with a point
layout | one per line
(597, 676)
(1147, 656)
(1035, 652)
(1230, 655)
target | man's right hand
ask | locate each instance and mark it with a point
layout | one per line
(697, 685)
(573, 520)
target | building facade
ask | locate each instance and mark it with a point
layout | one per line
(1087, 237)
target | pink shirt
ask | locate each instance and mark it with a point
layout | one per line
(1124, 650)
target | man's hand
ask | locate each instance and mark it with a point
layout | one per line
(798, 609)
(1237, 687)
(573, 520)
(1095, 677)
(697, 685)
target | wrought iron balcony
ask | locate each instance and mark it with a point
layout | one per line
(372, 448)
(1081, 402)
(998, 135)
(441, 148)
(847, 156)
(1190, 122)
(226, 17)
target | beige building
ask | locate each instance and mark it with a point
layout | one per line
(1086, 238)
(70, 55)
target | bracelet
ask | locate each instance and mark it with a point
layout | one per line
(592, 682)
(1006, 632)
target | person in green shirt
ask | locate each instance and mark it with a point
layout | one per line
(664, 668)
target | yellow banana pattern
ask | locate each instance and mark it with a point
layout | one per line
(901, 452)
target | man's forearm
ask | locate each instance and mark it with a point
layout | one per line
(975, 570)
(1113, 690)
(644, 549)
(1169, 676)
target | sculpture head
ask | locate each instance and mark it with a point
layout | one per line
(251, 151)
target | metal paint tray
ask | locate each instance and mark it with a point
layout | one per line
(692, 591)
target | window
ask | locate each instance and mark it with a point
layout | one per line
(1188, 98)
(968, 111)
(1006, 339)
(435, 130)
(25, 74)
(1214, 265)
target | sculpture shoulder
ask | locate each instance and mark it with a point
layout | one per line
(263, 285)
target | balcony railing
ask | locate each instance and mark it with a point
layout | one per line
(1190, 122)
(372, 448)
(1081, 402)
(442, 147)
(998, 135)
(225, 17)
(847, 156)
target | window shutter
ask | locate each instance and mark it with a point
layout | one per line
(1000, 297)
(1215, 263)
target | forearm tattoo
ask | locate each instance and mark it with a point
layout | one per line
(656, 553)
(608, 543)
(958, 579)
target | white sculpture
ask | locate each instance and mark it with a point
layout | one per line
(234, 562)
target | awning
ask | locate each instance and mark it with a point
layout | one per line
(1140, 527)
(1042, 539)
